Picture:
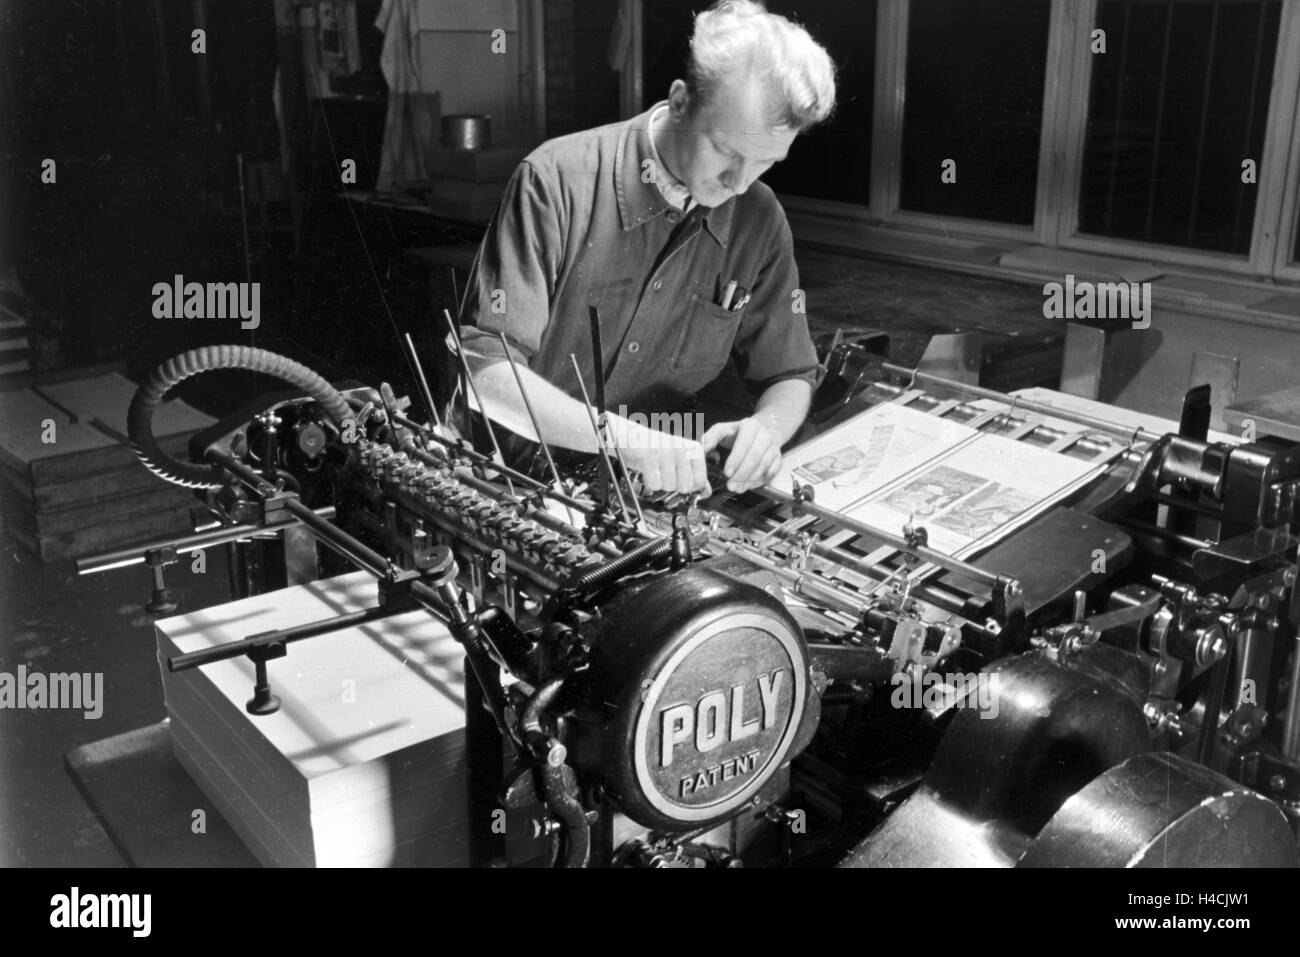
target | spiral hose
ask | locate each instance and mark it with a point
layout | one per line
(139, 421)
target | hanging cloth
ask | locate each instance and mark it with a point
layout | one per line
(412, 113)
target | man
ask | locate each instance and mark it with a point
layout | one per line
(660, 223)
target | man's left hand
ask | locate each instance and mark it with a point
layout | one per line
(755, 451)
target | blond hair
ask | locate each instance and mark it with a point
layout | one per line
(739, 38)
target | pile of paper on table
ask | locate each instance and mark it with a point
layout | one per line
(364, 762)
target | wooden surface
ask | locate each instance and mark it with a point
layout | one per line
(1277, 413)
(911, 303)
(101, 538)
(145, 801)
(104, 400)
(86, 490)
(121, 510)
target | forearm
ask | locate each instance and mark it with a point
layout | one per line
(563, 420)
(783, 406)
(664, 461)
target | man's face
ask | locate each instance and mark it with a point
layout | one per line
(726, 143)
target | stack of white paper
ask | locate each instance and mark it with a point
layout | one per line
(364, 763)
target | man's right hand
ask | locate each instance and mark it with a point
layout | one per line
(666, 462)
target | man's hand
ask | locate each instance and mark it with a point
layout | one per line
(755, 451)
(666, 462)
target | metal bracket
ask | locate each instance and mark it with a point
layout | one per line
(1009, 612)
(160, 599)
(264, 701)
(801, 494)
(395, 591)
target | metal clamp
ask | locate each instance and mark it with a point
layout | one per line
(801, 494)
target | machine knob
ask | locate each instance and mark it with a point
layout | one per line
(442, 566)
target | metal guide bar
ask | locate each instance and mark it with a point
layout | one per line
(984, 420)
(1015, 402)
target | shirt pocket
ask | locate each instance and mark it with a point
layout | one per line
(706, 337)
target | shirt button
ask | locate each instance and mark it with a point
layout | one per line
(634, 347)
(659, 284)
(673, 217)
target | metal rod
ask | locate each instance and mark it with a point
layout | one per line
(1291, 722)
(879, 573)
(1196, 507)
(618, 453)
(477, 456)
(487, 419)
(343, 543)
(134, 555)
(1026, 404)
(425, 391)
(600, 439)
(1147, 528)
(523, 392)
(598, 357)
(331, 535)
(235, 649)
(837, 596)
(886, 538)
(1038, 429)
(598, 365)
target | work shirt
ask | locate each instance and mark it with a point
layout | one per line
(582, 224)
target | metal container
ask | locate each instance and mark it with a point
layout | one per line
(467, 131)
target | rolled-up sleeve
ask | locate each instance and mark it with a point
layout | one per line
(773, 343)
(513, 282)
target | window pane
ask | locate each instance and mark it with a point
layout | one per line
(833, 161)
(1179, 101)
(975, 96)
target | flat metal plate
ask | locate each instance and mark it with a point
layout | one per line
(1051, 556)
(1220, 373)
(954, 356)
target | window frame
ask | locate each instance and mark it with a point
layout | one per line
(1282, 246)
(1066, 93)
(1273, 175)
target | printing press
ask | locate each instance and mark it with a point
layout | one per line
(672, 682)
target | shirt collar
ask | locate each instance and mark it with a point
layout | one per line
(640, 201)
(673, 189)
